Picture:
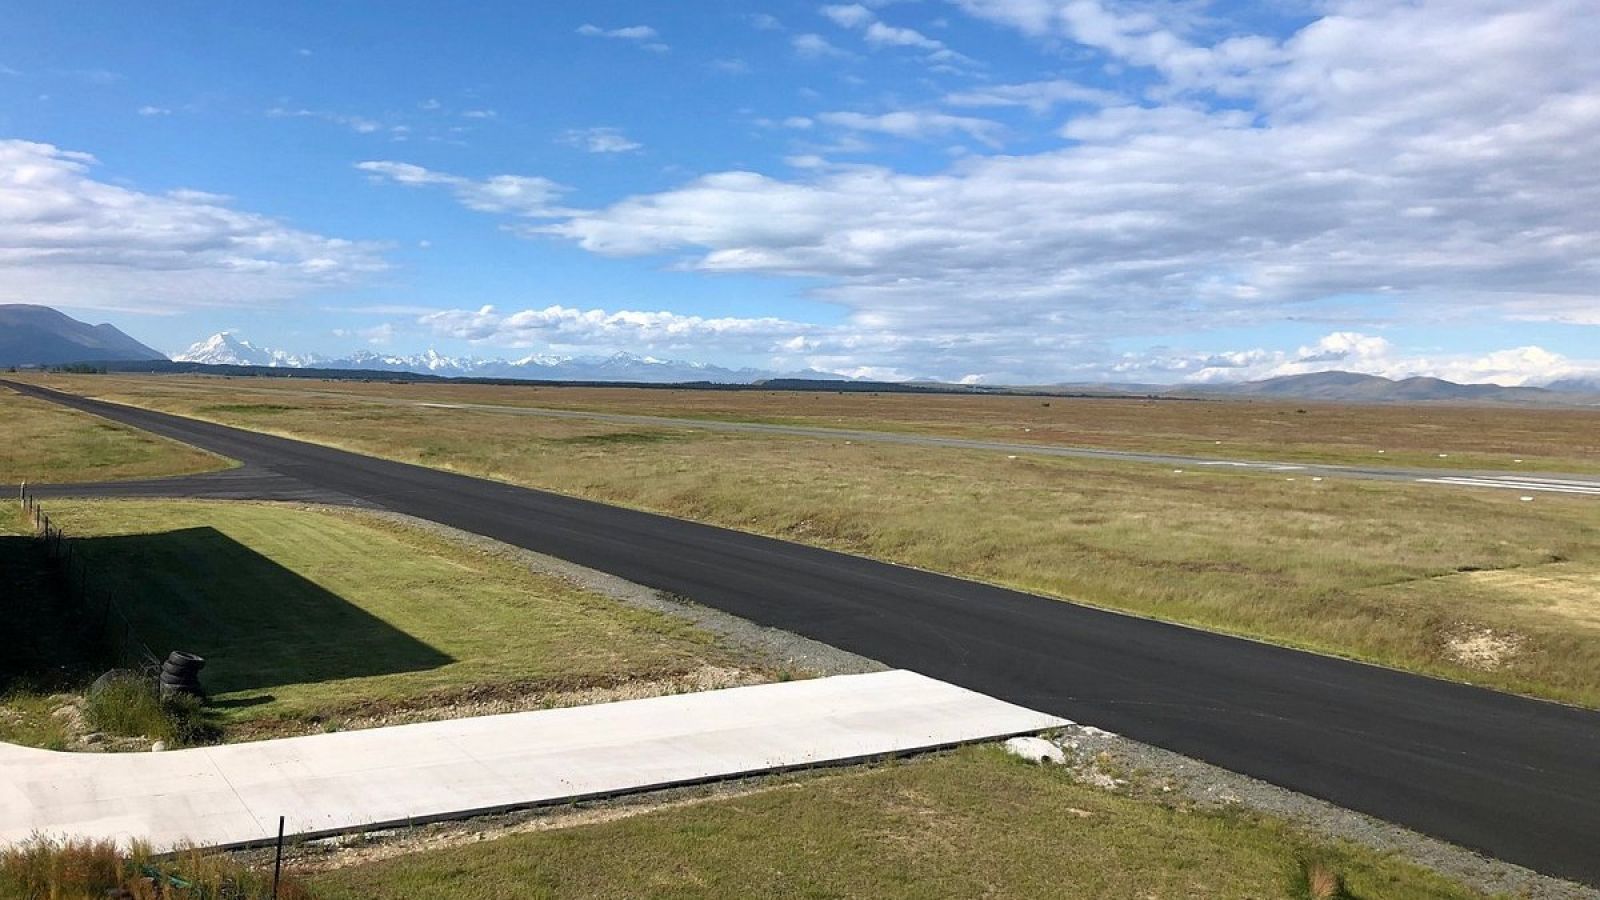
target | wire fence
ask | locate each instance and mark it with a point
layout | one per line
(92, 599)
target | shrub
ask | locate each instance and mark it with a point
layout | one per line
(132, 706)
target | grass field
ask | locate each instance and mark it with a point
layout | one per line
(973, 823)
(1493, 437)
(48, 443)
(1422, 578)
(321, 615)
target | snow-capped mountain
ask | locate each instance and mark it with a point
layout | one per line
(229, 349)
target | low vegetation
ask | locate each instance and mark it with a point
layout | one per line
(45, 442)
(1418, 577)
(312, 618)
(965, 824)
(1437, 435)
(95, 870)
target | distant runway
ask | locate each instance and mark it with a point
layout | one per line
(1515, 778)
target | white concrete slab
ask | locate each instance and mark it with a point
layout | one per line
(234, 793)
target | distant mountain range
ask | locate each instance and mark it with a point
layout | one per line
(1353, 387)
(227, 349)
(40, 336)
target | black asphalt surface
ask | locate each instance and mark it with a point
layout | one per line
(1515, 778)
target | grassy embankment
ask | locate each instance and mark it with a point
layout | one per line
(966, 824)
(48, 443)
(1446, 581)
(313, 616)
(1469, 436)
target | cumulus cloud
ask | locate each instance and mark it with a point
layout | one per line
(68, 238)
(1424, 161)
(1433, 155)
(1351, 351)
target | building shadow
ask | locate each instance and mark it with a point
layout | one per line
(258, 624)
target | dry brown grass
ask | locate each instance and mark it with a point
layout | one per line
(95, 870)
(1554, 439)
(1363, 569)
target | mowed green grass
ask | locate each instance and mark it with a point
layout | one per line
(311, 612)
(973, 823)
(44, 442)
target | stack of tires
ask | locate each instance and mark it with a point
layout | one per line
(180, 674)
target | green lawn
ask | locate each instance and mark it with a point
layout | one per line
(968, 824)
(310, 612)
(49, 443)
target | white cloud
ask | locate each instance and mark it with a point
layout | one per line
(1424, 162)
(600, 140)
(479, 114)
(764, 22)
(814, 46)
(1350, 351)
(882, 35)
(851, 15)
(377, 335)
(1454, 179)
(912, 124)
(67, 238)
(630, 33)
(1038, 96)
(358, 124)
(513, 194)
(154, 111)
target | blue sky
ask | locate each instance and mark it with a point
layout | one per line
(994, 190)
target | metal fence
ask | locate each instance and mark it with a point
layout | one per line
(92, 599)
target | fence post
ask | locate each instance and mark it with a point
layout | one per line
(277, 862)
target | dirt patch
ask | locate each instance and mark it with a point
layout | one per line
(1483, 648)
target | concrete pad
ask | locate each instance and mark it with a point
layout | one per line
(233, 794)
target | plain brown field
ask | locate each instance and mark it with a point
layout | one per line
(1453, 582)
(1491, 437)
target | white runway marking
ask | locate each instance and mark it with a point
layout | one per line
(1552, 485)
(1270, 467)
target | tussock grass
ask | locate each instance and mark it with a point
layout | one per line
(966, 824)
(49, 443)
(94, 870)
(1472, 436)
(132, 706)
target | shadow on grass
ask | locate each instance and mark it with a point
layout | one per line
(45, 644)
(258, 624)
